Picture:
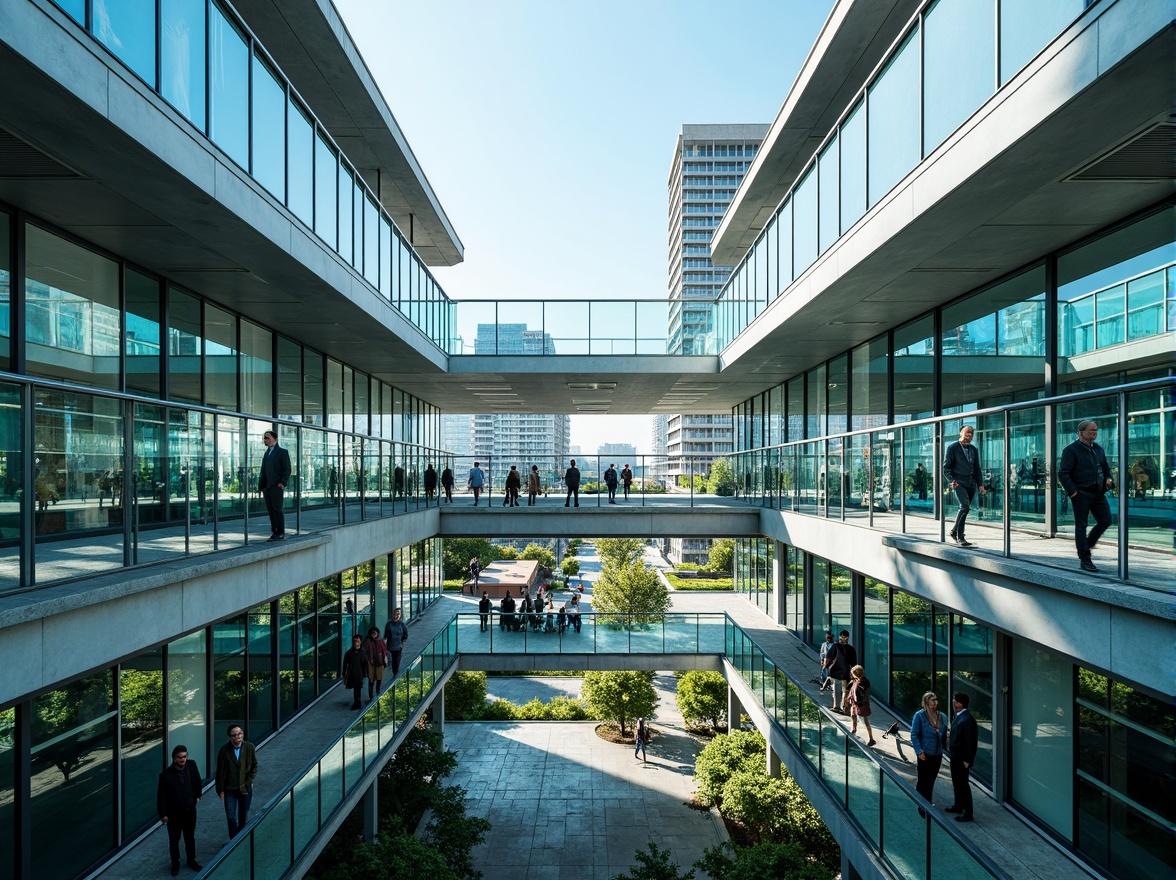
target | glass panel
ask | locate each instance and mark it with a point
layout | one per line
(830, 198)
(346, 213)
(183, 57)
(140, 691)
(914, 362)
(613, 328)
(313, 372)
(651, 318)
(853, 167)
(326, 191)
(833, 768)
(1151, 417)
(261, 672)
(187, 696)
(257, 388)
(79, 448)
(11, 481)
(804, 225)
(271, 842)
(5, 290)
(269, 129)
(72, 756)
(228, 52)
(894, 119)
(1041, 735)
(228, 672)
(371, 241)
(949, 862)
(1027, 26)
(330, 624)
(127, 28)
(959, 65)
(300, 162)
(864, 796)
(306, 806)
(910, 671)
(904, 838)
(568, 326)
(220, 357)
(8, 823)
(73, 320)
(232, 480)
(143, 333)
(185, 342)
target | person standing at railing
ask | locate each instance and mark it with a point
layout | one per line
(533, 487)
(627, 479)
(611, 480)
(484, 607)
(961, 468)
(572, 481)
(272, 481)
(928, 736)
(447, 484)
(1085, 474)
(476, 481)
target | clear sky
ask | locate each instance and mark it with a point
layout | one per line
(546, 129)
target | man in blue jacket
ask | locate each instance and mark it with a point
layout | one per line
(272, 482)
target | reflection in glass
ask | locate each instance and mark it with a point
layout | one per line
(142, 753)
(1027, 26)
(269, 129)
(72, 762)
(182, 57)
(1041, 735)
(853, 167)
(220, 357)
(228, 52)
(804, 222)
(72, 315)
(959, 64)
(300, 162)
(894, 119)
(127, 28)
(829, 222)
(142, 344)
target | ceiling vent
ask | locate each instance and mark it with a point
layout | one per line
(22, 161)
(1150, 155)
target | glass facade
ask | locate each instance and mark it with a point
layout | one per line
(940, 73)
(216, 74)
(105, 737)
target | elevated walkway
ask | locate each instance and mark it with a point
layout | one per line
(318, 768)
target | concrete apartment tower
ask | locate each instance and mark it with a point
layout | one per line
(709, 163)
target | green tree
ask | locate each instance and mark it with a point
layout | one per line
(631, 589)
(509, 553)
(619, 552)
(655, 865)
(456, 554)
(722, 555)
(465, 695)
(620, 696)
(702, 696)
(723, 757)
(570, 566)
(722, 478)
(779, 861)
(542, 555)
(757, 800)
(454, 834)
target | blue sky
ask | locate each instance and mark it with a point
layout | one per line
(546, 128)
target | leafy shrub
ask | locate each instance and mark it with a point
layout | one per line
(702, 696)
(723, 757)
(465, 696)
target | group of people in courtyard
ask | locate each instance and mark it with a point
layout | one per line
(538, 614)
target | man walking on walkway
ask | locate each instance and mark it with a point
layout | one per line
(961, 468)
(236, 768)
(840, 659)
(175, 801)
(1085, 474)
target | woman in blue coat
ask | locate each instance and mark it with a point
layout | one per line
(928, 736)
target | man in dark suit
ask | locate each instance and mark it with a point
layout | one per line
(275, 474)
(572, 481)
(961, 469)
(1085, 474)
(175, 800)
(964, 741)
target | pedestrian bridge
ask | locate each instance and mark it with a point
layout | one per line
(870, 807)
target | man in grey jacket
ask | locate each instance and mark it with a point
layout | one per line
(961, 469)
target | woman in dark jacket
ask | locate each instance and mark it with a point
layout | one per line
(355, 670)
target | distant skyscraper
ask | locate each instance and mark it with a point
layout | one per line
(523, 439)
(709, 163)
(617, 450)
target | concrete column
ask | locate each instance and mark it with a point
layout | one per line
(439, 711)
(734, 710)
(779, 578)
(371, 813)
(773, 762)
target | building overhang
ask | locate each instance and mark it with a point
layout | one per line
(310, 42)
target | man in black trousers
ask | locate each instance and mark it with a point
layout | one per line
(175, 801)
(964, 741)
(275, 475)
(961, 468)
(1085, 474)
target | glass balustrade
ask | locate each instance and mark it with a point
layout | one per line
(185, 485)
(891, 479)
(283, 828)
